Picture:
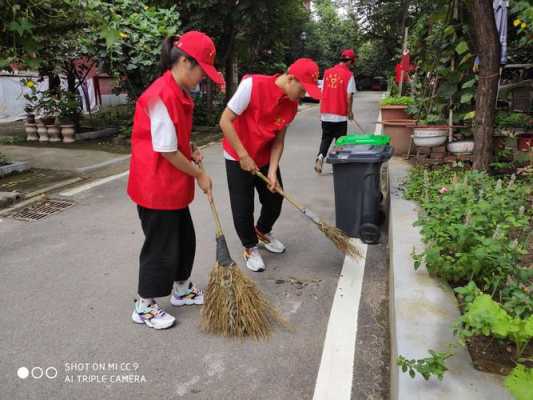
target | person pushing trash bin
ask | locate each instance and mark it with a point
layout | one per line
(338, 88)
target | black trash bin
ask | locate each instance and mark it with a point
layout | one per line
(356, 161)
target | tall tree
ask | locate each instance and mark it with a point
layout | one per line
(486, 37)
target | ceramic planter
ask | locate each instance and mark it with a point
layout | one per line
(429, 141)
(394, 113)
(53, 133)
(42, 132)
(31, 132)
(400, 132)
(68, 131)
(461, 147)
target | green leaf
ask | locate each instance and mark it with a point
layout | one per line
(528, 326)
(466, 98)
(461, 48)
(470, 115)
(447, 89)
(520, 383)
(469, 84)
(111, 36)
(467, 57)
(20, 26)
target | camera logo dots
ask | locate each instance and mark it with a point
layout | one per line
(37, 373)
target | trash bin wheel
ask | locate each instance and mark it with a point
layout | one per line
(369, 233)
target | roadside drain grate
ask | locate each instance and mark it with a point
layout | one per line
(42, 210)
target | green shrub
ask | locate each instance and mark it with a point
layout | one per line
(513, 120)
(397, 101)
(475, 228)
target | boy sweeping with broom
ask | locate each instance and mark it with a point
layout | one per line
(162, 174)
(254, 125)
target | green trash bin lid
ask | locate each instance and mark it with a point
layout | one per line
(376, 140)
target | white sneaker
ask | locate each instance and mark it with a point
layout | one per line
(190, 297)
(253, 259)
(152, 316)
(269, 242)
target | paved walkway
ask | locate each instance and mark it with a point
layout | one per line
(72, 278)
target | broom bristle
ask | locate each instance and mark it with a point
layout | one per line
(234, 306)
(340, 240)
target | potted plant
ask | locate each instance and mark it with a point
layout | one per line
(512, 128)
(69, 110)
(430, 129)
(396, 122)
(30, 89)
(394, 108)
(48, 108)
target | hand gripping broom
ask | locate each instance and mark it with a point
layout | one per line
(234, 306)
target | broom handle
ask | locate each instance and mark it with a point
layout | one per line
(356, 124)
(216, 217)
(280, 191)
(213, 209)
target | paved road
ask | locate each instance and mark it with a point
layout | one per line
(68, 282)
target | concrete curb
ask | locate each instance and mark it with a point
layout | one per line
(422, 311)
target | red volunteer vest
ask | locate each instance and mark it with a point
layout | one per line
(268, 113)
(153, 181)
(335, 88)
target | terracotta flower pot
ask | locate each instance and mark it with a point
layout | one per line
(400, 132)
(525, 142)
(394, 113)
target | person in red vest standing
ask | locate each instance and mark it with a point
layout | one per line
(254, 125)
(162, 174)
(338, 88)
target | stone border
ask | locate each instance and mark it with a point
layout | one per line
(422, 311)
(17, 166)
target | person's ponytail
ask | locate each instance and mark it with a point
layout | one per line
(166, 52)
(170, 54)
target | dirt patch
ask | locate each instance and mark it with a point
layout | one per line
(372, 356)
(32, 180)
(496, 356)
(298, 283)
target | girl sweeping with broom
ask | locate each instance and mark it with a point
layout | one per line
(254, 124)
(162, 174)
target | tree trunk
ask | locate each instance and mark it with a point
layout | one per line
(228, 72)
(486, 37)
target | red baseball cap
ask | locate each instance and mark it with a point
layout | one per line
(348, 54)
(200, 47)
(306, 71)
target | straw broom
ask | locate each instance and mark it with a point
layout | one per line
(234, 306)
(338, 237)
